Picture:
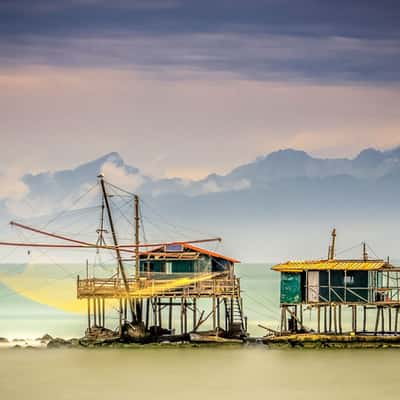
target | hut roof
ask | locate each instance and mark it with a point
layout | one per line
(324, 265)
(187, 246)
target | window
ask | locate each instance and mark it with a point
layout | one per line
(168, 267)
(349, 279)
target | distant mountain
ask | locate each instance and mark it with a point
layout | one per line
(276, 206)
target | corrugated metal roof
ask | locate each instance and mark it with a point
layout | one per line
(321, 265)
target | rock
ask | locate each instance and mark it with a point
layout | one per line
(45, 338)
(3, 340)
(58, 343)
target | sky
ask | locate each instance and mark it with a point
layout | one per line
(187, 88)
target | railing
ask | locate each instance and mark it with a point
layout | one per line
(195, 285)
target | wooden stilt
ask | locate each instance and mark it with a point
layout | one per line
(325, 319)
(147, 313)
(155, 320)
(182, 327)
(340, 319)
(214, 322)
(364, 319)
(120, 316)
(377, 320)
(396, 320)
(335, 325)
(185, 316)
(319, 319)
(94, 311)
(88, 312)
(103, 305)
(194, 312)
(170, 315)
(159, 307)
(218, 313)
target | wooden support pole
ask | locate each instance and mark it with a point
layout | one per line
(104, 311)
(120, 316)
(182, 330)
(390, 318)
(147, 313)
(194, 312)
(383, 320)
(88, 312)
(319, 319)
(170, 315)
(364, 319)
(355, 318)
(94, 311)
(377, 319)
(155, 314)
(214, 321)
(218, 313)
(330, 318)
(185, 316)
(335, 324)
(325, 318)
(396, 320)
(99, 311)
(159, 312)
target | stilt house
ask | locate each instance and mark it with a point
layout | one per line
(327, 285)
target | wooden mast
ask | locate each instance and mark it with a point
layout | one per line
(332, 246)
(117, 251)
(137, 255)
(137, 221)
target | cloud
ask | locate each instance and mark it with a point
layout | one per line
(12, 186)
(257, 56)
(212, 186)
(119, 176)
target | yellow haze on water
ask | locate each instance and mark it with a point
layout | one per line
(56, 292)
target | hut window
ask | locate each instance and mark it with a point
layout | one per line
(348, 279)
(168, 267)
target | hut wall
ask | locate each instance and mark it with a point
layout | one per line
(356, 281)
(291, 288)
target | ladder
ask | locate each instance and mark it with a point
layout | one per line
(235, 321)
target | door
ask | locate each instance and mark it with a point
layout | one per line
(313, 286)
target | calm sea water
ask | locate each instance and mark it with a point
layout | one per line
(199, 373)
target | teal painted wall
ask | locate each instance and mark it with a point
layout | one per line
(291, 288)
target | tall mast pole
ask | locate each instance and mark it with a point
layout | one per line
(137, 222)
(332, 255)
(118, 253)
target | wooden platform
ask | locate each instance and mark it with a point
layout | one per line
(195, 286)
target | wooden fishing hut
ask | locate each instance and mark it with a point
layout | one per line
(168, 278)
(331, 286)
(174, 288)
(173, 279)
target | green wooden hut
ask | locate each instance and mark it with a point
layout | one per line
(183, 259)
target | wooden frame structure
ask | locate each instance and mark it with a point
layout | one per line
(159, 298)
(357, 296)
(146, 301)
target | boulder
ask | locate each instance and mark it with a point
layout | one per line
(58, 343)
(3, 340)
